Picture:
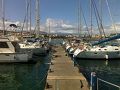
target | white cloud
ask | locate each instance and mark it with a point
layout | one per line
(59, 25)
(56, 25)
(53, 23)
(17, 23)
(66, 26)
(112, 28)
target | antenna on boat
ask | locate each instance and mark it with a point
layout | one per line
(37, 18)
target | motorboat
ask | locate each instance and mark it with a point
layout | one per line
(10, 51)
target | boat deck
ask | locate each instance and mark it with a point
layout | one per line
(63, 75)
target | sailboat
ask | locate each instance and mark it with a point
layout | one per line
(9, 47)
(11, 52)
(97, 51)
(38, 46)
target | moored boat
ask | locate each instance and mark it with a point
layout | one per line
(11, 52)
(37, 47)
(97, 52)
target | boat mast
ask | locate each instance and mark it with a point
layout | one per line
(30, 18)
(27, 6)
(49, 32)
(49, 28)
(3, 17)
(91, 18)
(100, 16)
(37, 18)
(78, 18)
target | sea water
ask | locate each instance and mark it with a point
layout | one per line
(104, 69)
(24, 76)
(33, 76)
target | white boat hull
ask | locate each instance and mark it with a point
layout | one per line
(13, 57)
(98, 55)
(107, 52)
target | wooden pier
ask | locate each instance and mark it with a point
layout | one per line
(63, 75)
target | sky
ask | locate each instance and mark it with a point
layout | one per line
(62, 14)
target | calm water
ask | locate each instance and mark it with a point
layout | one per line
(24, 76)
(33, 76)
(106, 70)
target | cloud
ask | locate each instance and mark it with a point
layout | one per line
(112, 28)
(53, 23)
(17, 23)
(59, 25)
(66, 26)
(56, 26)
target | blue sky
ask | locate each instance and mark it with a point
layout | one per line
(65, 10)
(58, 9)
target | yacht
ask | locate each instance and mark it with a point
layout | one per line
(97, 52)
(11, 52)
(36, 46)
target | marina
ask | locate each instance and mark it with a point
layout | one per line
(45, 46)
(34, 76)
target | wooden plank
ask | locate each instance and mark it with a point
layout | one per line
(66, 78)
(62, 74)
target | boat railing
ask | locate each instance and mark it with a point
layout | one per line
(100, 84)
(108, 83)
(96, 83)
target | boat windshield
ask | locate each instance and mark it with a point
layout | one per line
(3, 45)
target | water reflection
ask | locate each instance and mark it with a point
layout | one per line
(106, 70)
(24, 76)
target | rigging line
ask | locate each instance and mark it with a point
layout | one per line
(100, 9)
(30, 17)
(96, 19)
(3, 17)
(114, 26)
(0, 9)
(101, 26)
(24, 20)
(26, 15)
(91, 18)
(84, 20)
(78, 17)
(97, 13)
(101, 29)
(37, 17)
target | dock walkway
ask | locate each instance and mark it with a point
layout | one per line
(62, 74)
